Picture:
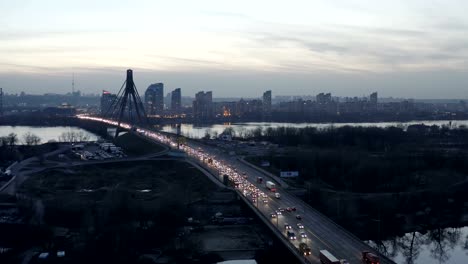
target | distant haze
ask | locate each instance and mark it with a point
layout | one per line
(416, 49)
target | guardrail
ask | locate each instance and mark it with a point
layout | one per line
(275, 230)
(325, 218)
(265, 220)
(12, 178)
(264, 172)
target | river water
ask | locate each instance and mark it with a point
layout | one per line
(195, 131)
(44, 133)
(445, 245)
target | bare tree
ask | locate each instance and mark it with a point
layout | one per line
(214, 135)
(207, 134)
(73, 136)
(3, 141)
(81, 136)
(229, 131)
(31, 139)
(12, 139)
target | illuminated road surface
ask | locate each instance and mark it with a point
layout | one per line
(321, 232)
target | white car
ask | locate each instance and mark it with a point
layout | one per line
(300, 226)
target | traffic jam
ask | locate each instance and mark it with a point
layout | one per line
(239, 180)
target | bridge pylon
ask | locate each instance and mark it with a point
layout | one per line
(127, 106)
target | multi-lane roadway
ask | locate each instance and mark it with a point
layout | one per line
(320, 231)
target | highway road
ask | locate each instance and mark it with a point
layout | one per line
(322, 233)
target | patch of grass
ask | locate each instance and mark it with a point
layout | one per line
(135, 145)
(169, 177)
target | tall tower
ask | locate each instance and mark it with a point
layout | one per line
(374, 98)
(266, 103)
(203, 106)
(176, 99)
(127, 106)
(154, 99)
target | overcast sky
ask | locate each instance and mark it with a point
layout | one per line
(407, 48)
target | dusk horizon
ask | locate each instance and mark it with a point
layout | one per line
(398, 49)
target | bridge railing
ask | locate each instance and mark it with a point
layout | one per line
(275, 230)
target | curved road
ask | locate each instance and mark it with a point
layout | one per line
(322, 233)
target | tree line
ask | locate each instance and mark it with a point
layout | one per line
(369, 138)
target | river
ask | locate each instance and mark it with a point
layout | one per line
(195, 131)
(444, 245)
(44, 133)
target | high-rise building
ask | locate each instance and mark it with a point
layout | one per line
(203, 106)
(176, 101)
(373, 98)
(107, 98)
(322, 98)
(154, 99)
(266, 102)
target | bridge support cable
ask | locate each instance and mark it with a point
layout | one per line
(127, 107)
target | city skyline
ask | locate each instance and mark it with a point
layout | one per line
(396, 48)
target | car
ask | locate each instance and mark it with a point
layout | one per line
(303, 235)
(298, 217)
(278, 212)
(287, 226)
(305, 249)
(300, 226)
(281, 209)
(289, 209)
(291, 235)
(294, 209)
(265, 201)
(273, 215)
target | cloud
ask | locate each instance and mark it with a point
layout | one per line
(357, 48)
(26, 34)
(226, 14)
(451, 25)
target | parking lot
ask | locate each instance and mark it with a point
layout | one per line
(95, 151)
